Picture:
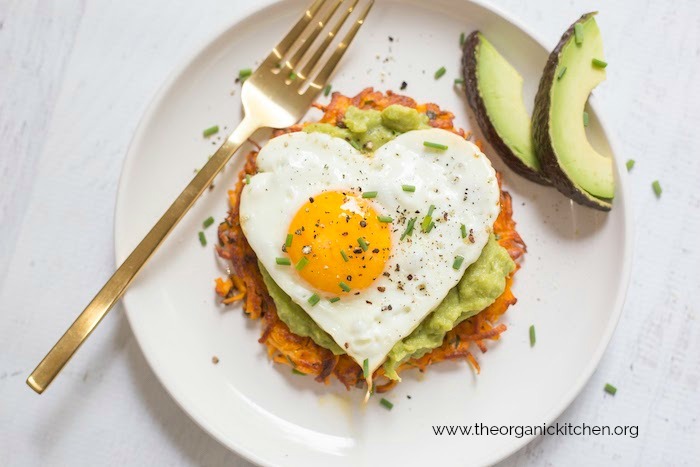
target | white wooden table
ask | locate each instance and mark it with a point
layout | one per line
(75, 77)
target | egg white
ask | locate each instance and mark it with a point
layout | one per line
(459, 181)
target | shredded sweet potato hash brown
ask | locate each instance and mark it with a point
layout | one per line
(245, 282)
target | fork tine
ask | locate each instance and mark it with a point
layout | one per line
(308, 40)
(325, 73)
(284, 45)
(311, 63)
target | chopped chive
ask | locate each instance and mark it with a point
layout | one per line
(334, 299)
(207, 222)
(459, 80)
(370, 194)
(283, 261)
(657, 188)
(288, 240)
(314, 299)
(302, 263)
(365, 368)
(441, 71)
(629, 164)
(292, 76)
(409, 188)
(355, 144)
(247, 179)
(610, 389)
(387, 405)
(409, 228)
(599, 63)
(431, 209)
(533, 337)
(427, 220)
(297, 372)
(585, 118)
(244, 73)
(458, 262)
(430, 227)
(344, 286)
(463, 229)
(212, 130)
(202, 239)
(363, 244)
(439, 146)
(385, 219)
(462, 38)
(560, 75)
(344, 255)
(327, 90)
(578, 33)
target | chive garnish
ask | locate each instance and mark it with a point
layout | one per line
(370, 194)
(344, 255)
(385, 219)
(578, 33)
(334, 299)
(212, 130)
(207, 222)
(561, 73)
(292, 76)
(247, 179)
(327, 90)
(355, 145)
(441, 71)
(458, 262)
(365, 368)
(297, 372)
(314, 299)
(459, 80)
(409, 228)
(656, 186)
(288, 240)
(431, 209)
(302, 263)
(610, 389)
(363, 244)
(344, 286)
(599, 63)
(427, 220)
(244, 73)
(202, 239)
(585, 118)
(387, 405)
(462, 38)
(430, 227)
(463, 229)
(283, 261)
(629, 164)
(409, 188)
(429, 144)
(533, 337)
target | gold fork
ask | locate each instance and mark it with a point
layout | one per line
(277, 95)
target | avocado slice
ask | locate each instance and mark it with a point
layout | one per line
(495, 94)
(573, 166)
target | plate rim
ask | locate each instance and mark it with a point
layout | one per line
(244, 14)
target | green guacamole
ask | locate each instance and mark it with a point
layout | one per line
(367, 130)
(481, 284)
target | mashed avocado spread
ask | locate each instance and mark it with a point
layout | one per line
(481, 284)
(368, 129)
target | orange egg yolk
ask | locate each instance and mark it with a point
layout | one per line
(339, 245)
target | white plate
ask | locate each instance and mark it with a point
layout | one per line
(571, 286)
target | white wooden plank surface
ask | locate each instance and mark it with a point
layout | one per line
(75, 76)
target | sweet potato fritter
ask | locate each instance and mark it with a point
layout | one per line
(304, 354)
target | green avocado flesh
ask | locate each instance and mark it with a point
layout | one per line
(367, 130)
(582, 164)
(501, 90)
(481, 284)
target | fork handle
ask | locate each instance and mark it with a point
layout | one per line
(115, 287)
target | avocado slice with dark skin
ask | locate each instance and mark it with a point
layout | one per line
(494, 92)
(568, 160)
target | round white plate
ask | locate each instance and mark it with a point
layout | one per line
(571, 285)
